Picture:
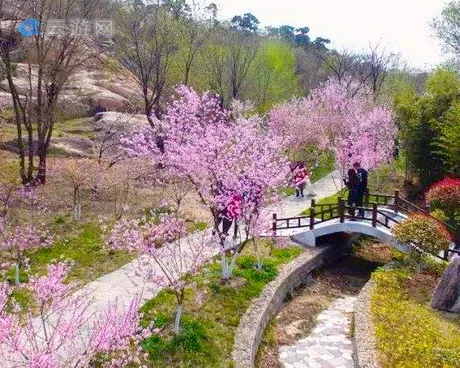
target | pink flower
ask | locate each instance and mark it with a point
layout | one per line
(354, 128)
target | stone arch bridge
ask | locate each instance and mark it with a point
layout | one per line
(381, 213)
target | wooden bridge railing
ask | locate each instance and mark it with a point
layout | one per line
(322, 212)
(400, 204)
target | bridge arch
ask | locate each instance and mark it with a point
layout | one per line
(379, 215)
(308, 238)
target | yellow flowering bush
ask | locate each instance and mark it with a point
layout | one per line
(410, 335)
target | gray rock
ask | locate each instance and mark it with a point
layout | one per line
(446, 296)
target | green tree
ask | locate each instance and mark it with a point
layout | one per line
(273, 75)
(429, 126)
(449, 140)
(443, 82)
(146, 43)
(447, 26)
(246, 23)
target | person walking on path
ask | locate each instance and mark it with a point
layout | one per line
(229, 214)
(308, 184)
(362, 175)
(352, 184)
(234, 212)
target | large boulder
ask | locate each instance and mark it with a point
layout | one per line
(22, 86)
(110, 126)
(6, 101)
(446, 295)
(109, 101)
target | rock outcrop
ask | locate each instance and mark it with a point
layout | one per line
(446, 295)
(108, 87)
(110, 126)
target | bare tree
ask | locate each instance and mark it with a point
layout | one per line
(195, 25)
(377, 63)
(346, 67)
(243, 49)
(49, 58)
(339, 63)
(447, 26)
(147, 42)
(361, 73)
(228, 62)
(109, 149)
(215, 65)
(310, 68)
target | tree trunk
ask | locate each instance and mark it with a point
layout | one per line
(77, 204)
(177, 319)
(17, 268)
(233, 263)
(256, 249)
(226, 272)
(31, 156)
(77, 212)
(40, 179)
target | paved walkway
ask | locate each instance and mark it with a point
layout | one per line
(324, 187)
(329, 345)
(125, 283)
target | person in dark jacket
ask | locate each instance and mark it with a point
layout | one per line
(352, 184)
(362, 176)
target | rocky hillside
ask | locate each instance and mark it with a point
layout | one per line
(107, 86)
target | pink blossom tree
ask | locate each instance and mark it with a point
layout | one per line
(65, 333)
(22, 239)
(354, 128)
(169, 258)
(218, 156)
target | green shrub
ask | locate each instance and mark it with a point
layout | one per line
(423, 263)
(426, 233)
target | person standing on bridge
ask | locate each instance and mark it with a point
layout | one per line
(352, 184)
(362, 187)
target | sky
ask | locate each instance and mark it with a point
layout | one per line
(402, 26)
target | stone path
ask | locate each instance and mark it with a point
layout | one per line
(125, 284)
(325, 187)
(329, 345)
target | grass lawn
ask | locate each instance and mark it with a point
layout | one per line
(388, 178)
(326, 165)
(333, 199)
(409, 332)
(211, 313)
(84, 247)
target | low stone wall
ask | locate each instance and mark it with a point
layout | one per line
(252, 325)
(365, 340)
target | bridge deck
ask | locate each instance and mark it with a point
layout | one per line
(378, 220)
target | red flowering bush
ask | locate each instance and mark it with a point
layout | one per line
(425, 232)
(445, 196)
